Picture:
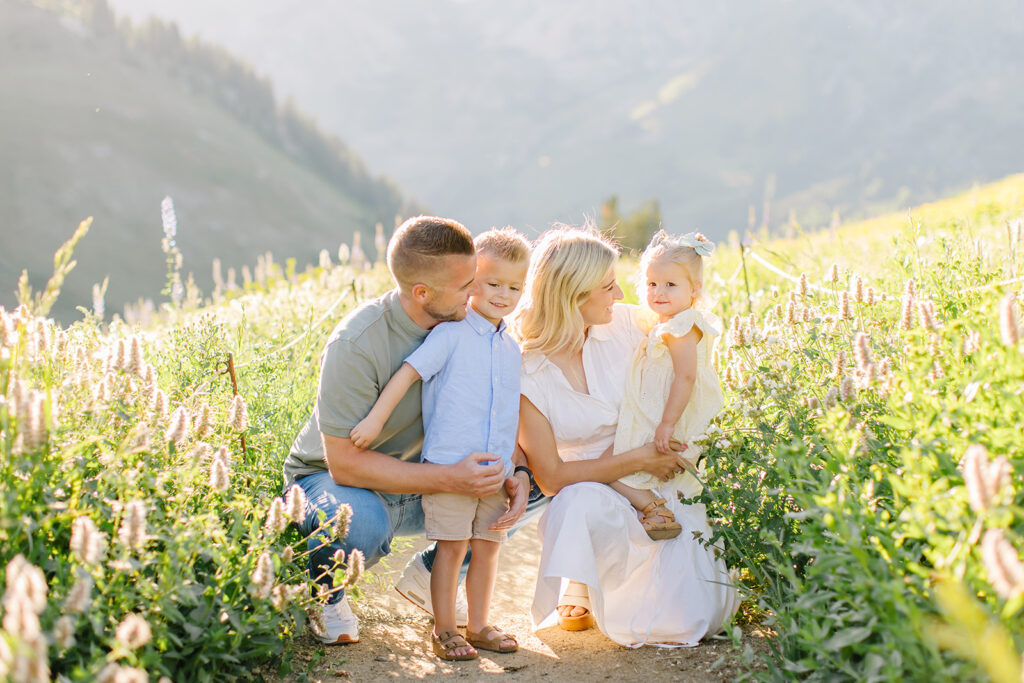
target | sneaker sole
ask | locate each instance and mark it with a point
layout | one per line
(422, 604)
(344, 639)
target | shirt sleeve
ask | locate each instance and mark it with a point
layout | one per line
(682, 323)
(531, 386)
(434, 352)
(349, 386)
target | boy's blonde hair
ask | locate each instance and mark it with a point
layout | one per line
(567, 265)
(506, 244)
(685, 250)
(420, 243)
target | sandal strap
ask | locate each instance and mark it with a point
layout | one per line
(575, 595)
(447, 640)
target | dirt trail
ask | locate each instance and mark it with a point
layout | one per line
(394, 638)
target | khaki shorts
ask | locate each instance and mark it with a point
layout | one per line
(455, 517)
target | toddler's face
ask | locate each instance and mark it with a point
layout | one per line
(669, 290)
(499, 284)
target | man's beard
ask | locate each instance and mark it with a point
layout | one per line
(445, 316)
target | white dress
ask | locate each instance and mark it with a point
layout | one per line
(642, 592)
(647, 387)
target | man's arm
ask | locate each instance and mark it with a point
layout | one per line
(352, 466)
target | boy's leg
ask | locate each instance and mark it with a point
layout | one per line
(480, 587)
(444, 584)
(370, 529)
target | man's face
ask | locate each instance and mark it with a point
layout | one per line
(454, 284)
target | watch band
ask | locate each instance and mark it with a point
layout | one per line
(523, 468)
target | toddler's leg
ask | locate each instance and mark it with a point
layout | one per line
(444, 582)
(638, 498)
(483, 568)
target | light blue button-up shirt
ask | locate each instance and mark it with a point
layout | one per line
(470, 372)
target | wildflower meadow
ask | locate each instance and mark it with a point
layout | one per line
(864, 474)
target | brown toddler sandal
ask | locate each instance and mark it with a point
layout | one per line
(478, 641)
(446, 642)
(659, 531)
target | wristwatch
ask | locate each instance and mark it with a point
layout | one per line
(524, 468)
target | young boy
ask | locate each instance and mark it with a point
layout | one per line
(470, 372)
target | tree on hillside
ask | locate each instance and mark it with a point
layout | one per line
(632, 231)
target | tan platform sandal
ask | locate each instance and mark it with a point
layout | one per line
(446, 642)
(576, 595)
(478, 641)
(659, 531)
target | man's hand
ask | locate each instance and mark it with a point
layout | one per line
(471, 477)
(518, 487)
(366, 432)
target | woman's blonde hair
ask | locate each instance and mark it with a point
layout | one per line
(566, 266)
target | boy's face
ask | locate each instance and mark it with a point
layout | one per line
(499, 284)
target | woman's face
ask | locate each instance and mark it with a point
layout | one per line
(596, 309)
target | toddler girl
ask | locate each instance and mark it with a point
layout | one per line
(672, 390)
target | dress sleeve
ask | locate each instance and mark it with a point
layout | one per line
(531, 385)
(682, 323)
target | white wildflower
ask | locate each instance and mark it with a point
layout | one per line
(80, 596)
(220, 475)
(985, 479)
(1009, 327)
(276, 520)
(262, 579)
(177, 428)
(133, 632)
(1004, 568)
(64, 633)
(295, 504)
(356, 564)
(341, 521)
(133, 525)
(87, 542)
(238, 414)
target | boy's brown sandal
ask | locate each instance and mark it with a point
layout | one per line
(659, 531)
(446, 642)
(478, 641)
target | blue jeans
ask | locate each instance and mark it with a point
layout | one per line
(377, 518)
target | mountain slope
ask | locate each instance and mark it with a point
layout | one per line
(90, 127)
(532, 111)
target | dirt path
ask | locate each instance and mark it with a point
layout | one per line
(394, 638)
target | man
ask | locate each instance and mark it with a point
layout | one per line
(433, 262)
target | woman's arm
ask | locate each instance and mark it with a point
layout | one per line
(537, 440)
(683, 352)
(369, 428)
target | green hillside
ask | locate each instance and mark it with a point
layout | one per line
(865, 471)
(92, 126)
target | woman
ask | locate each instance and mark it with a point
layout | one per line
(577, 345)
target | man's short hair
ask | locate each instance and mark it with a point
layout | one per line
(507, 244)
(420, 243)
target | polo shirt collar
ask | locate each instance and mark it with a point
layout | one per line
(600, 332)
(402, 318)
(480, 324)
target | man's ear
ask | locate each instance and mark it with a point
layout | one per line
(420, 293)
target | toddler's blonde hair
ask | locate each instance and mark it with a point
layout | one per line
(567, 265)
(666, 247)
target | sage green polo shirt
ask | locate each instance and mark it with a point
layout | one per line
(363, 351)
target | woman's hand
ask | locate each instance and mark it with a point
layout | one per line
(662, 465)
(518, 488)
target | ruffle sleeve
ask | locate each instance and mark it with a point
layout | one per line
(682, 323)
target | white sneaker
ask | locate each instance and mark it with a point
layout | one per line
(414, 586)
(340, 625)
